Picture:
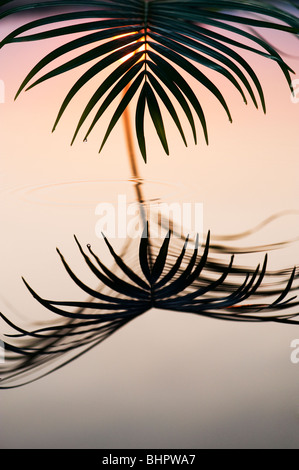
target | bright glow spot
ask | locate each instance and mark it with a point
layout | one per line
(128, 56)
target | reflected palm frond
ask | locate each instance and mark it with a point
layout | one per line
(162, 41)
(165, 276)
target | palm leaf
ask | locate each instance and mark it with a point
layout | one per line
(172, 40)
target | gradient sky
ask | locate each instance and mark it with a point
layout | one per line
(168, 380)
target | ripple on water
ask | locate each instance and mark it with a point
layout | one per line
(91, 192)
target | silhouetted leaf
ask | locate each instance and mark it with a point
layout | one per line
(189, 36)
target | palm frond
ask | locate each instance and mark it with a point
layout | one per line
(162, 277)
(171, 39)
